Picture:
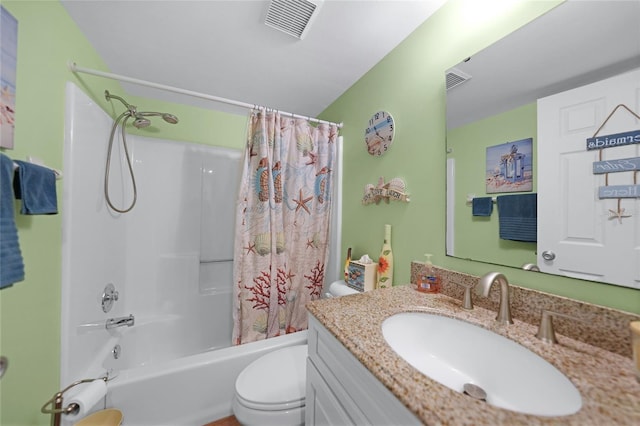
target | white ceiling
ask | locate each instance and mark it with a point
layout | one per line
(223, 48)
(577, 43)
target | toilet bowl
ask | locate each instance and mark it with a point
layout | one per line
(267, 393)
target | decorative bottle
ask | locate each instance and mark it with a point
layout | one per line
(385, 261)
(346, 265)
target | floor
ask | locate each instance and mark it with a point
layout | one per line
(227, 421)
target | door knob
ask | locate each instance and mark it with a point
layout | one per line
(548, 255)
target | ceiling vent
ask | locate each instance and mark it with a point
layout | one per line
(455, 77)
(292, 17)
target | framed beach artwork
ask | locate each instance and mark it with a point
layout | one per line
(9, 52)
(509, 167)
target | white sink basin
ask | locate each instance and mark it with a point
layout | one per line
(454, 353)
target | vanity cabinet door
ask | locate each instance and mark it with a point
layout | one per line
(342, 391)
(322, 406)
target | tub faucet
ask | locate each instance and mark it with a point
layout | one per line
(483, 287)
(120, 322)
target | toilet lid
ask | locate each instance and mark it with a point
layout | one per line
(340, 288)
(275, 381)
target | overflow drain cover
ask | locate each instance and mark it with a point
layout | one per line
(474, 391)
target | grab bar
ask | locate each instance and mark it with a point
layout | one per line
(215, 260)
(120, 322)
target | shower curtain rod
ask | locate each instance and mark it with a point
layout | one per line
(75, 68)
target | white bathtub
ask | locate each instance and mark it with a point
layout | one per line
(190, 391)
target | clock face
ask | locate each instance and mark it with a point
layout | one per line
(379, 135)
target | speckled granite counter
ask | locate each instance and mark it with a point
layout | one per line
(610, 392)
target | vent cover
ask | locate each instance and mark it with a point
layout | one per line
(292, 17)
(455, 77)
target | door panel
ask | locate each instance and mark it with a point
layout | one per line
(588, 240)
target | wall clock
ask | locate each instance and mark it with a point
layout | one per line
(379, 134)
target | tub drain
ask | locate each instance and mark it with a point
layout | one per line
(474, 391)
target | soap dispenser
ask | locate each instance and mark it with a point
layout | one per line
(428, 281)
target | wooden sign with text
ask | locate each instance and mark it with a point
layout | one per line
(610, 141)
(619, 191)
(615, 166)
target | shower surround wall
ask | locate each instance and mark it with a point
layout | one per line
(170, 258)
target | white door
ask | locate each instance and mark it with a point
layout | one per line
(581, 235)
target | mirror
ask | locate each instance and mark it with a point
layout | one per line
(491, 101)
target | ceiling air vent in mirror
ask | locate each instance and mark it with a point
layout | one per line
(292, 17)
(455, 77)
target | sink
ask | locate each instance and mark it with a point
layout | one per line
(471, 359)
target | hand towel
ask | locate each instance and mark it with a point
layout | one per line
(11, 263)
(36, 187)
(518, 217)
(482, 206)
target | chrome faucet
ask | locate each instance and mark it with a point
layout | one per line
(531, 267)
(483, 287)
(120, 322)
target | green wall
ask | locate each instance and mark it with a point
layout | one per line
(477, 237)
(409, 83)
(30, 310)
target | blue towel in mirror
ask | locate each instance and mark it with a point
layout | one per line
(518, 217)
(36, 187)
(11, 263)
(482, 206)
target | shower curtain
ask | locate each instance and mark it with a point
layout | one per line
(282, 224)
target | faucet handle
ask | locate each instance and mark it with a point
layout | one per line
(546, 333)
(466, 297)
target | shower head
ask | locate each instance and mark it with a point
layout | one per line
(141, 122)
(138, 116)
(169, 118)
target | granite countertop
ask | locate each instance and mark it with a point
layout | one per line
(609, 389)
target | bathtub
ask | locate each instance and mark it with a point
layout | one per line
(190, 391)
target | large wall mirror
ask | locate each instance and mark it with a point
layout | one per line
(492, 108)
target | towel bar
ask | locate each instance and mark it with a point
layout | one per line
(39, 162)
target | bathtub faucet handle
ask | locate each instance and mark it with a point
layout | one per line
(109, 295)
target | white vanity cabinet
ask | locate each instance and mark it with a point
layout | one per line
(341, 391)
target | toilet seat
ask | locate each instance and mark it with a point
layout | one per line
(275, 381)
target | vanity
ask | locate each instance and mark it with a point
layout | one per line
(355, 377)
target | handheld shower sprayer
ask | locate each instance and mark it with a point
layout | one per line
(139, 121)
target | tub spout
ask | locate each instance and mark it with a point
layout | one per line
(120, 322)
(483, 287)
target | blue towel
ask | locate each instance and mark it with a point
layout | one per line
(11, 263)
(518, 216)
(36, 187)
(482, 206)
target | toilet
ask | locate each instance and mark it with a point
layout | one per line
(266, 395)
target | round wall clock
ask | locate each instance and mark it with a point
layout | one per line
(379, 134)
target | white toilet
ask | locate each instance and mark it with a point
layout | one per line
(267, 395)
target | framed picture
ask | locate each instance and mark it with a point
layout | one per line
(9, 52)
(509, 167)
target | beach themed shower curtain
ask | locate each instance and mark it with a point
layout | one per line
(282, 224)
